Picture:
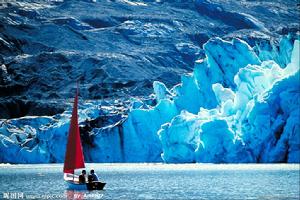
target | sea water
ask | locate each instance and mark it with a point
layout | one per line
(156, 181)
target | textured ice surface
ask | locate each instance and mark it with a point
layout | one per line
(257, 121)
(237, 100)
(118, 48)
(235, 107)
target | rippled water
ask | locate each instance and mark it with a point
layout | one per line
(157, 181)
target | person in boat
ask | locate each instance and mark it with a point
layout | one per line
(82, 176)
(92, 176)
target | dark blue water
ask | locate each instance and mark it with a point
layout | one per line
(157, 181)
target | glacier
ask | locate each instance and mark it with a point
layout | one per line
(119, 52)
(256, 119)
(239, 105)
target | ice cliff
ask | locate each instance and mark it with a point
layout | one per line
(240, 104)
(256, 119)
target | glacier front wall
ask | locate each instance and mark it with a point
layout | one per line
(239, 105)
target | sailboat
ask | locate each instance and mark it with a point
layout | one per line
(74, 158)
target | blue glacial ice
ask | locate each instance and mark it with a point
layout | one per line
(240, 104)
(256, 118)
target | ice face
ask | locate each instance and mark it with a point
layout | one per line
(180, 138)
(226, 58)
(256, 118)
(236, 106)
(268, 50)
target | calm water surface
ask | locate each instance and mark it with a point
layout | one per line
(157, 181)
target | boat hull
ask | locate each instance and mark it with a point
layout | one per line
(96, 185)
(75, 186)
(72, 182)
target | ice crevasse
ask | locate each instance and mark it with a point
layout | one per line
(240, 104)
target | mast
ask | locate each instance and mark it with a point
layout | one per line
(74, 156)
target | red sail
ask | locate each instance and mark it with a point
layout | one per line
(74, 156)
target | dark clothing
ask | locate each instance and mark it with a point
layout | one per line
(81, 178)
(92, 177)
(95, 177)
